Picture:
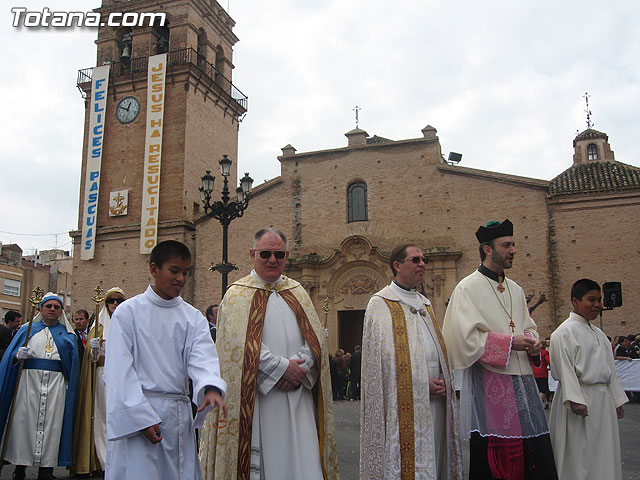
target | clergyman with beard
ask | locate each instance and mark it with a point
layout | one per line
(491, 337)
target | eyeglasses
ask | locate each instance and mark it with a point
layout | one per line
(266, 254)
(416, 259)
(55, 306)
(115, 300)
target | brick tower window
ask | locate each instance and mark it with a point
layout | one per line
(592, 151)
(357, 201)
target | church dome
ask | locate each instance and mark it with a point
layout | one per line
(596, 176)
(590, 134)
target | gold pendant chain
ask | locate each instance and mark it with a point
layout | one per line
(510, 313)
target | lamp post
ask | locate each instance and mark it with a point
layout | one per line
(225, 211)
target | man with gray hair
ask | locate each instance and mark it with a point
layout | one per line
(274, 357)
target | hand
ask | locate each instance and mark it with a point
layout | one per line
(294, 373)
(214, 399)
(523, 343)
(152, 433)
(620, 412)
(536, 349)
(284, 386)
(579, 409)
(22, 353)
(94, 343)
(629, 358)
(437, 388)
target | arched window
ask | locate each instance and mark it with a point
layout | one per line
(202, 48)
(162, 38)
(357, 201)
(592, 151)
(125, 44)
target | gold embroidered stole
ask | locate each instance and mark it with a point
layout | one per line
(250, 374)
(404, 381)
(436, 327)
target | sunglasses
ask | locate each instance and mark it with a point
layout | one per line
(417, 259)
(115, 300)
(266, 254)
(53, 305)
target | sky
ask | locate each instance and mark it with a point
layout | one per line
(502, 81)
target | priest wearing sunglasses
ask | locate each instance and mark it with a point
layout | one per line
(409, 413)
(90, 423)
(40, 429)
(274, 357)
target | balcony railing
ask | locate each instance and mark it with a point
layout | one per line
(185, 56)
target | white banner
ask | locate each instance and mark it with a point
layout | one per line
(152, 152)
(97, 104)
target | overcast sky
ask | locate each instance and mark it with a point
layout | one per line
(501, 81)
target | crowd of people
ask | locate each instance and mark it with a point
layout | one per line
(123, 392)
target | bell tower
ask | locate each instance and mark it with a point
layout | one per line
(167, 110)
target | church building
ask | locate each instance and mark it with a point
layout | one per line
(343, 208)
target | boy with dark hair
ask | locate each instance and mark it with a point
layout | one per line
(156, 343)
(589, 398)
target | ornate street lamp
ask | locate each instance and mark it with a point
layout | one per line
(225, 211)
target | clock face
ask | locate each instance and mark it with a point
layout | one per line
(127, 109)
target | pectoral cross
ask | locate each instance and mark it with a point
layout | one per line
(513, 326)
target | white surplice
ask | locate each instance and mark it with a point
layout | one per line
(380, 431)
(585, 448)
(284, 423)
(153, 347)
(39, 406)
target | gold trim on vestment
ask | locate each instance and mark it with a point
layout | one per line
(83, 455)
(249, 378)
(436, 327)
(404, 380)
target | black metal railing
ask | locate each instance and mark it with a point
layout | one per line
(185, 56)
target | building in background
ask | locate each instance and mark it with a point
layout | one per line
(50, 270)
(343, 208)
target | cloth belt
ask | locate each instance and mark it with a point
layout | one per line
(179, 397)
(42, 364)
(169, 396)
(594, 384)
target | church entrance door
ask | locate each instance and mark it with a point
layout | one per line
(350, 323)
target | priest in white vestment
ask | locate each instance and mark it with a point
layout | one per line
(491, 336)
(589, 398)
(42, 423)
(274, 357)
(90, 427)
(155, 344)
(409, 425)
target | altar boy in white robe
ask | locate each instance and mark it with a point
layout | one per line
(274, 355)
(156, 342)
(589, 398)
(409, 412)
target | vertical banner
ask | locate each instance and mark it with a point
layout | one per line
(97, 104)
(152, 152)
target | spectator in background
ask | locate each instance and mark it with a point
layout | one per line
(334, 376)
(13, 320)
(212, 318)
(622, 351)
(81, 322)
(341, 371)
(541, 374)
(355, 367)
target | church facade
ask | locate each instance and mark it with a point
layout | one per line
(344, 209)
